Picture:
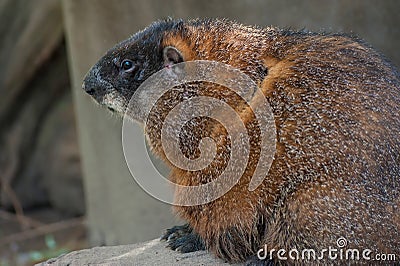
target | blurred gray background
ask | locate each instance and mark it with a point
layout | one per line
(60, 151)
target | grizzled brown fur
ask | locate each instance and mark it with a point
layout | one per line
(336, 104)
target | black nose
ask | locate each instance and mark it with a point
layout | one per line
(89, 84)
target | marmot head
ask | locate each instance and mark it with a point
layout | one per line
(113, 80)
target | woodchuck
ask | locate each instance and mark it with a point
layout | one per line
(336, 170)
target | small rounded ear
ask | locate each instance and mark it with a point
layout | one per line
(172, 56)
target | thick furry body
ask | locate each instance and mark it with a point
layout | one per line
(336, 104)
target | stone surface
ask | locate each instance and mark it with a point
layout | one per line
(152, 253)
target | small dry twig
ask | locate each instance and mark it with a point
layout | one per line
(42, 230)
(28, 220)
(5, 181)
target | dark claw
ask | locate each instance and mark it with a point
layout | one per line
(182, 238)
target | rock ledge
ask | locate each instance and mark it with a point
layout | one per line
(152, 253)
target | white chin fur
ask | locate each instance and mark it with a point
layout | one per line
(115, 102)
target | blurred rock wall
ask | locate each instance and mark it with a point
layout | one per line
(39, 155)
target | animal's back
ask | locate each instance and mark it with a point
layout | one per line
(337, 167)
(335, 102)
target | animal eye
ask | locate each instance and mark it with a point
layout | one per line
(128, 65)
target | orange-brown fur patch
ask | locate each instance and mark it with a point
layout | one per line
(324, 111)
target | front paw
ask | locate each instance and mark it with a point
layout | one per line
(182, 238)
